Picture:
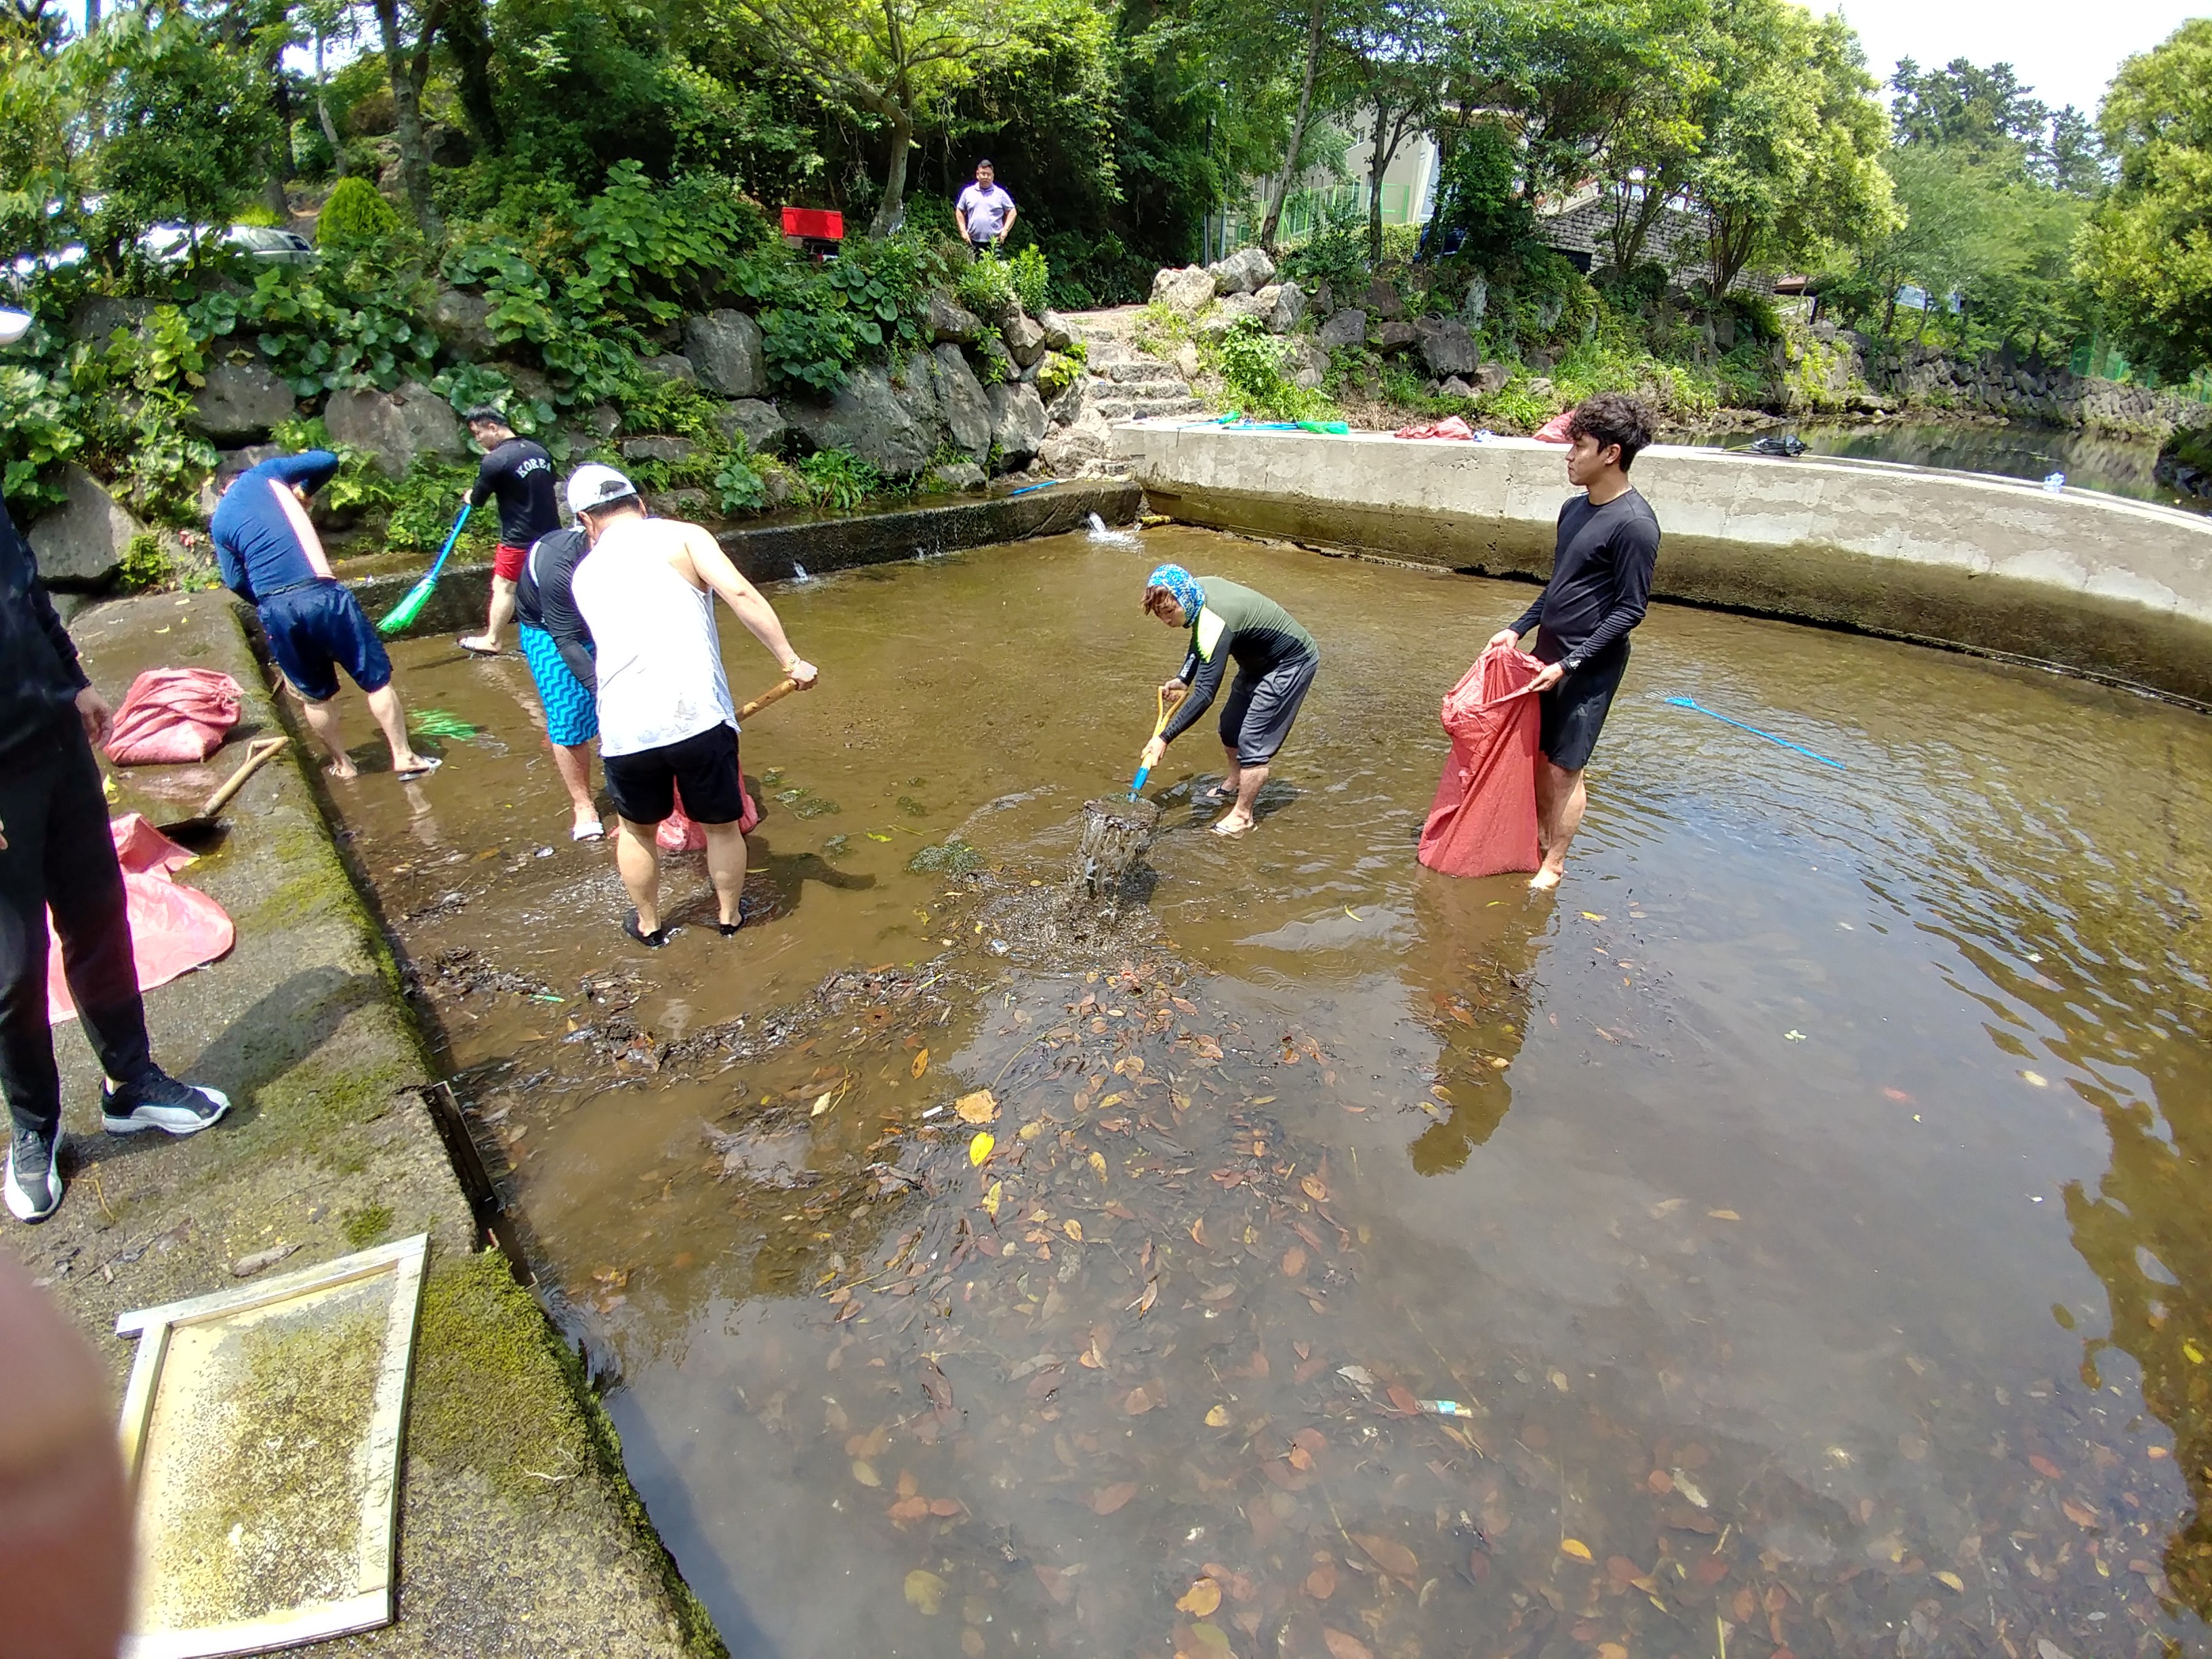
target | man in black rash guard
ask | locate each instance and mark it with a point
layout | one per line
(1600, 583)
(558, 648)
(520, 473)
(1276, 660)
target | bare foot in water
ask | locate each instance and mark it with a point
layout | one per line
(1233, 824)
(1544, 881)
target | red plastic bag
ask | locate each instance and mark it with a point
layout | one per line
(679, 834)
(1483, 822)
(172, 929)
(174, 716)
(1554, 431)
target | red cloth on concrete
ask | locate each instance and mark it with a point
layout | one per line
(1554, 431)
(1450, 427)
(172, 929)
(1484, 819)
(174, 716)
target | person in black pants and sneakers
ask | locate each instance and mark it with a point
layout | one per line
(55, 854)
(1600, 582)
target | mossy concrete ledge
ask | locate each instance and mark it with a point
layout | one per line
(520, 1534)
(2100, 585)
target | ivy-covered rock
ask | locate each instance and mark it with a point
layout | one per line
(946, 321)
(877, 422)
(81, 543)
(723, 348)
(395, 427)
(241, 400)
(961, 405)
(462, 322)
(758, 422)
(1018, 421)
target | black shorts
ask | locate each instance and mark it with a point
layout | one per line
(1573, 711)
(705, 766)
(1257, 716)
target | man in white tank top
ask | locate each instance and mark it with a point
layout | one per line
(647, 593)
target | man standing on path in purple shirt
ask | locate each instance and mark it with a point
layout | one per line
(984, 212)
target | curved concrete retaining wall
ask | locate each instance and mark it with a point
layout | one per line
(2108, 587)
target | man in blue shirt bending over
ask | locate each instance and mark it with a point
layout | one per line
(270, 557)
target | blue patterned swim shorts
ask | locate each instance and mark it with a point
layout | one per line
(572, 713)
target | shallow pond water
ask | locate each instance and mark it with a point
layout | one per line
(2116, 465)
(1806, 1210)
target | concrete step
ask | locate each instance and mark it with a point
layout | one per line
(1157, 385)
(1134, 368)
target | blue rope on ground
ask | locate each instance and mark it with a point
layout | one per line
(1692, 702)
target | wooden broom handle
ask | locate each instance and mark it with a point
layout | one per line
(775, 693)
(263, 750)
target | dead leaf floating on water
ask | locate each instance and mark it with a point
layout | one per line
(920, 1062)
(1388, 1553)
(1576, 1547)
(981, 1107)
(1341, 1646)
(926, 1591)
(980, 1147)
(1107, 1499)
(1200, 1599)
(1217, 1418)
(864, 1473)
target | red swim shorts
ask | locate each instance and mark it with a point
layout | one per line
(506, 563)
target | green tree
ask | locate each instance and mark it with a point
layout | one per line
(898, 60)
(1966, 106)
(2147, 252)
(179, 124)
(1791, 166)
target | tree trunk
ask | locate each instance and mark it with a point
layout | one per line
(889, 210)
(1378, 163)
(280, 145)
(1297, 127)
(414, 153)
(91, 16)
(469, 41)
(323, 111)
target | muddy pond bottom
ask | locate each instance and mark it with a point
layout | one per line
(1792, 1236)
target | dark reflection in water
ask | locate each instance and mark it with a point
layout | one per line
(2117, 466)
(1796, 1206)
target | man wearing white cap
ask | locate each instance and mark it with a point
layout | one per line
(56, 858)
(647, 593)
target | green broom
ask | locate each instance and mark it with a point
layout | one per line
(402, 614)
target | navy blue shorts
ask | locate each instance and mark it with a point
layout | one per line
(317, 629)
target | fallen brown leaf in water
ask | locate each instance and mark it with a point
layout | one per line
(1315, 1188)
(1576, 1547)
(908, 1485)
(1107, 1499)
(1200, 1599)
(971, 1643)
(1073, 1229)
(909, 1509)
(1139, 1402)
(1388, 1553)
(921, 1063)
(926, 1591)
(1659, 1482)
(1294, 1261)
(981, 1107)
(945, 1508)
(1217, 1418)
(1059, 1584)
(1952, 1580)
(1710, 1571)
(1611, 1650)
(1743, 1605)
(865, 1473)
(1321, 1582)
(1402, 1398)
(1341, 1646)
(2080, 1514)
(2043, 1466)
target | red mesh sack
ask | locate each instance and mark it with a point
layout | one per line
(172, 716)
(1483, 822)
(679, 834)
(1554, 431)
(173, 929)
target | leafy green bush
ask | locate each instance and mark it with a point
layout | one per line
(739, 488)
(1031, 279)
(354, 217)
(986, 287)
(836, 479)
(1056, 373)
(1251, 362)
(358, 322)
(144, 564)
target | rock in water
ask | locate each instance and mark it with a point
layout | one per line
(1114, 835)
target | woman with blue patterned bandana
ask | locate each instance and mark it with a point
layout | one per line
(1276, 660)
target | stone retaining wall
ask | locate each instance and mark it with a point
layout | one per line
(2093, 583)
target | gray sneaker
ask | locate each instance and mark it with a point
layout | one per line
(160, 1102)
(34, 1186)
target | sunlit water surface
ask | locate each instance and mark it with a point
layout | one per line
(1807, 1206)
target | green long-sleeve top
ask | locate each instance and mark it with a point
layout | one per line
(1234, 624)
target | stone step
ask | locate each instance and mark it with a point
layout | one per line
(1157, 385)
(1143, 408)
(1134, 368)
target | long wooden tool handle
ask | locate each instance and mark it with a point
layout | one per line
(263, 752)
(775, 693)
